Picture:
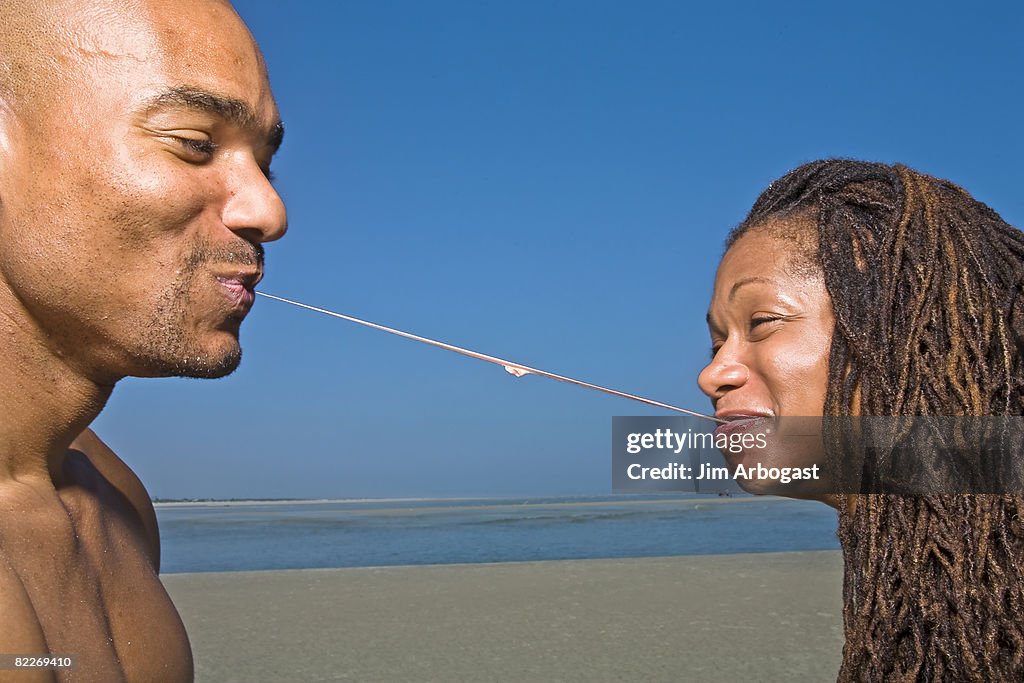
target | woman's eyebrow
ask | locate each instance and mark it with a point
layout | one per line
(746, 281)
(732, 295)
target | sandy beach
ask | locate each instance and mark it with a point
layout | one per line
(754, 617)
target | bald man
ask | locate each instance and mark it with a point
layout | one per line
(135, 143)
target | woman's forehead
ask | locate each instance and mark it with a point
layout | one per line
(772, 248)
(763, 267)
(792, 240)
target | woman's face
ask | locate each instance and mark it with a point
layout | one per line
(771, 328)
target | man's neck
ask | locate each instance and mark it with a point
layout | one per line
(44, 401)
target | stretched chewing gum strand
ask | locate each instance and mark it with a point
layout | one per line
(514, 369)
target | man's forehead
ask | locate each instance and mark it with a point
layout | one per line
(46, 42)
(63, 29)
(157, 46)
(43, 40)
(199, 34)
(204, 43)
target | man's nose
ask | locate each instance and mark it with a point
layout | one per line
(725, 372)
(253, 208)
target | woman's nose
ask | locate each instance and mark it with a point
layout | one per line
(724, 373)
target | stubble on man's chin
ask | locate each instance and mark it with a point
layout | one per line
(168, 348)
(169, 351)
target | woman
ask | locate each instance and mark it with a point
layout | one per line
(858, 288)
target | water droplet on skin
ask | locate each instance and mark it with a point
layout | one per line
(515, 372)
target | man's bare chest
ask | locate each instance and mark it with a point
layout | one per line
(94, 594)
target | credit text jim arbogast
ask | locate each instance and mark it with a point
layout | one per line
(666, 439)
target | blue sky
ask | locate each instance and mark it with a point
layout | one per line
(549, 182)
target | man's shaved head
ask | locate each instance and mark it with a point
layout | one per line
(39, 40)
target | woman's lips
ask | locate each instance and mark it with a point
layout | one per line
(738, 422)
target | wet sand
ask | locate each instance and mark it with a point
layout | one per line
(754, 617)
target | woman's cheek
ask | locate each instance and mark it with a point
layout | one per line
(798, 371)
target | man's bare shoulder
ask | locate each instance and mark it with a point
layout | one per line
(21, 633)
(124, 480)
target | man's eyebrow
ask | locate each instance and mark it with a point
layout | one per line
(233, 110)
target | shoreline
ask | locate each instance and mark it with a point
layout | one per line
(554, 501)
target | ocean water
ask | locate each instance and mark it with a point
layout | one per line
(212, 537)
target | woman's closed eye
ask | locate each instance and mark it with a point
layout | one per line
(755, 323)
(763, 320)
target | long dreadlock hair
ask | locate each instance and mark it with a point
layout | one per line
(926, 290)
